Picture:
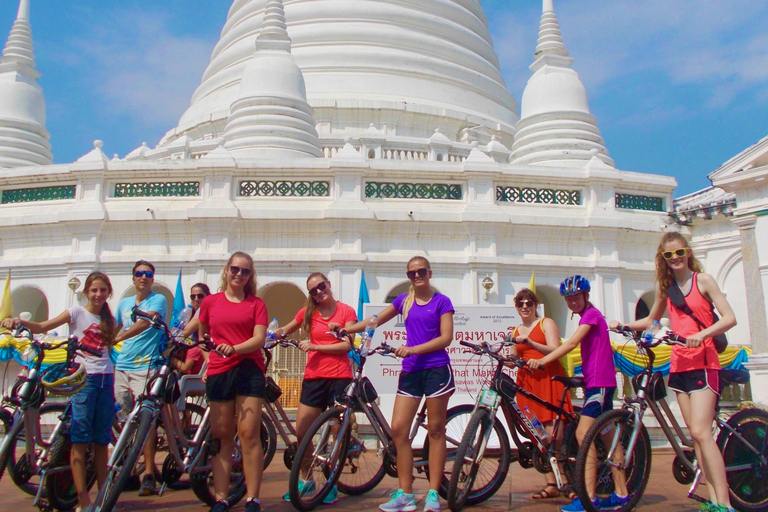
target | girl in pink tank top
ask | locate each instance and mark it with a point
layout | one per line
(694, 369)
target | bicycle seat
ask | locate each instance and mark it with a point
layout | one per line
(189, 384)
(571, 382)
(734, 376)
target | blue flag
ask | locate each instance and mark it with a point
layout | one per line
(363, 297)
(178, 302)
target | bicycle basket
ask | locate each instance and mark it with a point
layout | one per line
(272, 392)
(367, 391)
(64, 379)
(657, 390)
(507, 387)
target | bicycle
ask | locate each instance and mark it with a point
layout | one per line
(741, 438)
(44, 455)
(186, 455)
(350, 445)
(486, 431)
(275, 420)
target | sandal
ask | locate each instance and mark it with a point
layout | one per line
(545, 494)
(568, 491)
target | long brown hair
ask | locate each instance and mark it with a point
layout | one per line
(664, 274)
(107, 325)
(310, 305)
(408, 302)
(250, 285)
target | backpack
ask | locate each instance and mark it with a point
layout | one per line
(675, 294)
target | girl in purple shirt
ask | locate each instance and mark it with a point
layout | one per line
(428, 317)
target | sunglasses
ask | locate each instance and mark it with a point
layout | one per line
(245, 272)
(194, 296)
(524, 304)
(319, 288)
(677, 253)
(141, 273)
(412, 273)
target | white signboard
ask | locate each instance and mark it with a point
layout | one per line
(489, 323)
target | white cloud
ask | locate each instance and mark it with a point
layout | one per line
(139, 68)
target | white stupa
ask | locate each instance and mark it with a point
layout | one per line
(556, 126)
(23, 137)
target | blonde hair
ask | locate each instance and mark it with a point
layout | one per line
(310, 305)
(107, 325)
(664, 274)
(408, 302)
(250, 285)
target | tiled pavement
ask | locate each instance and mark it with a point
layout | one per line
(663, 494)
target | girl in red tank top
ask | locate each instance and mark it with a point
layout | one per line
(694, 369)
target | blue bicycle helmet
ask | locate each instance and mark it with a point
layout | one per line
(574, 285)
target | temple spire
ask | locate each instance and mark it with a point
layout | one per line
(556, 126)
(271, 117)
(23, 137)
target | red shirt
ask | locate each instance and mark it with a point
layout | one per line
(704, 356)
(196, 355)
(319, 364)
(232, 323)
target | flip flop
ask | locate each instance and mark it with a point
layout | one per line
(568, 492)
(544, 494)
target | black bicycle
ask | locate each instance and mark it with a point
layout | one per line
(622, 444)
(485, 436)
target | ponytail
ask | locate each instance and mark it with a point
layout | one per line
(107, 325)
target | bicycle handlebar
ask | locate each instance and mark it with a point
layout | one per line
(668, 337)
(485, 348)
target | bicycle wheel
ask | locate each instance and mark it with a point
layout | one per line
(569, 451)
(613, 428)
(745, 466)
(319, 460)
(467, 461)
(19, 468)
(137, 432)
(60, 486)
(202, 481)
(6, 421)
(268, 439)
(496, 460)
(363, 468)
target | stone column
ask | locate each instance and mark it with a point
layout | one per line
(758, 326)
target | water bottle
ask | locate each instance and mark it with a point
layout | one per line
(650, 332)
(271, 330)
(182, 320)
(536, 423)
(368, 335)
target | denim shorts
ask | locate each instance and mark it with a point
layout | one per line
(597, 401)
(93, 410)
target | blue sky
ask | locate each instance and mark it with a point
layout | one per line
(678, 87)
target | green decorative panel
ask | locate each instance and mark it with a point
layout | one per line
(374, 190)
(285, 188)
(170, 189)
(28, 195)
(632, 202)
(537, 195)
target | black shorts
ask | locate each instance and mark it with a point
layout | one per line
(694, 380)
(322, 392)
(432, 382)
(245, 379)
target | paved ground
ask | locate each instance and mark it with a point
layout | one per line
(663, 494)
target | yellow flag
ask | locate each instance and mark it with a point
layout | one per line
(6, 306)
(532, 283)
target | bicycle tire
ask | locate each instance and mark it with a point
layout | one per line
(268, 439)
(569, 450)
(467, 461)
(6, 422)
(323, 446)
(18, 468)
(747, 476)
(60, 487)
(494, 466)
(202, 482)
(363, 469)
(637, 473)
(113, 488)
